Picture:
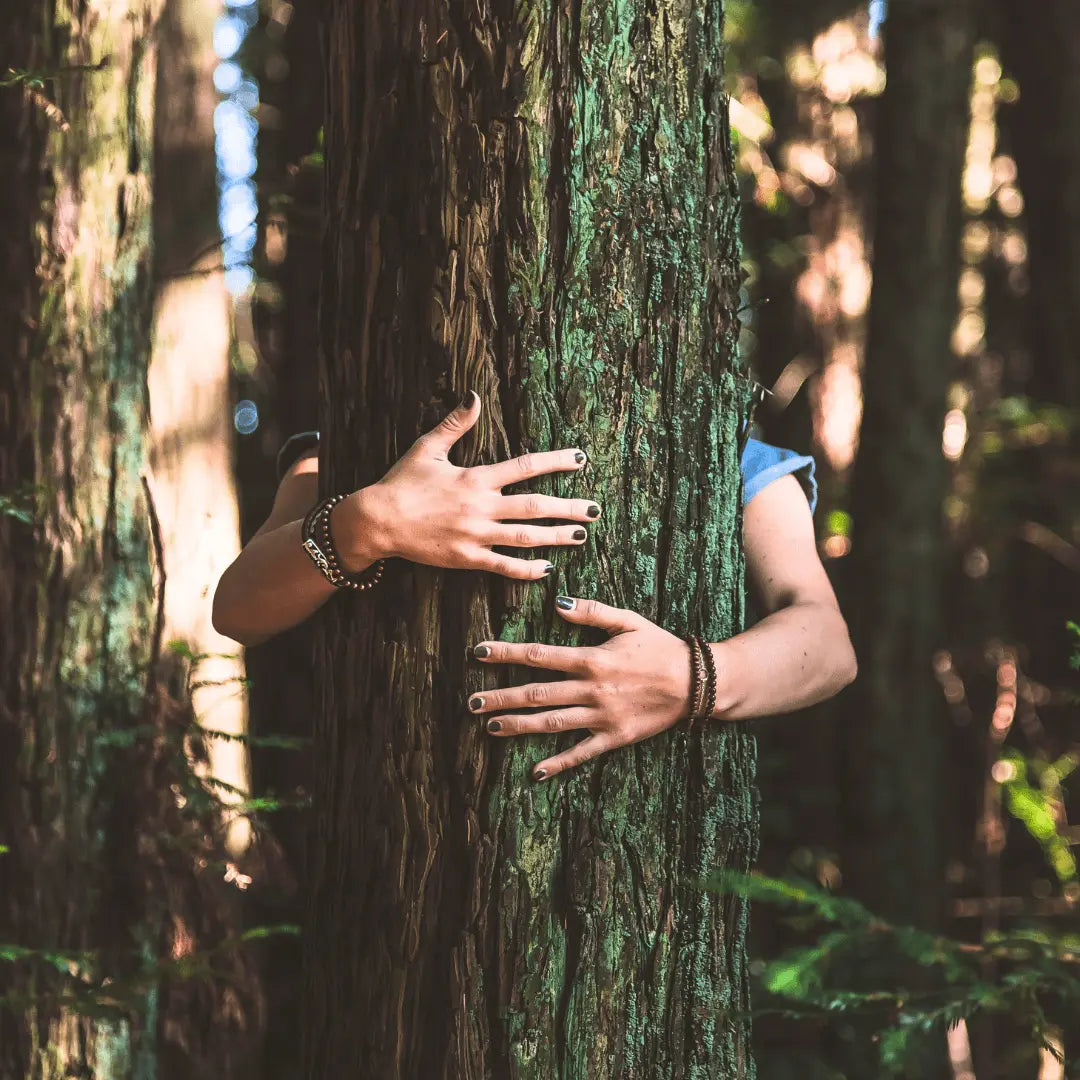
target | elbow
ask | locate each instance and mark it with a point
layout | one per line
(847, 667)
(221, 615)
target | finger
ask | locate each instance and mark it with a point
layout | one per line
(525, 507)
(534, 536)
(527, 466)
(532, 695)
(443, 436)
(507, 566)
(573, 659)
(578, 754)
(592, 613)
(544, 722)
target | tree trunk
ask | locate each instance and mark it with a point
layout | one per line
(1041, 49)
(107, 888)
(537, 202)
(76, 587)
(895, 736)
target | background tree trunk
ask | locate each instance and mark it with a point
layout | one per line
(1041, 49)
(107, 887)
(76, 587)
(535, 201)
(894, 740)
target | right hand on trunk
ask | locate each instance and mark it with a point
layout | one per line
(429, 511)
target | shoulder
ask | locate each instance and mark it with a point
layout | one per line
(293, 448)
(762, 463)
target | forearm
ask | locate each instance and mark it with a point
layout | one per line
(271, 586)
(796, 657)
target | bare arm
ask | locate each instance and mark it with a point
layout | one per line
(424, 509)
(272, 584)
(800, 653)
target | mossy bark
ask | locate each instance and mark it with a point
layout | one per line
(100, 882)
(77, 586)
(535, 201)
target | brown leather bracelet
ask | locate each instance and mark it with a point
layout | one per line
(319, 545)
(708, 705)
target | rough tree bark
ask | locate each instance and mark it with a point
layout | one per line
(894, 741)
(101, 873)
(536, 201)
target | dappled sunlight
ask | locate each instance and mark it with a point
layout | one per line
(195, 499)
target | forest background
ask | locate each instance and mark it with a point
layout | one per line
(917, 884)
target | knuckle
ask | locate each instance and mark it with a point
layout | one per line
(596, 667)
(523, 537)
(534, 505)
(556, 721)
(535, 653)
(525, 464)
(537, 694)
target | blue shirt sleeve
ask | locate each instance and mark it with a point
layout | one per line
(762, 463)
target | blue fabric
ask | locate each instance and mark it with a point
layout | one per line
(762, 463)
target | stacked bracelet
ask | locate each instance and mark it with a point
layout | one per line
(702, 680)
(319, 545)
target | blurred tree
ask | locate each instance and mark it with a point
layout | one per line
(894, 738)
(101, 891)
(541, 207)
(1040, 48)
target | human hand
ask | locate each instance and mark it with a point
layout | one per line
(635, 685)
(431, 511)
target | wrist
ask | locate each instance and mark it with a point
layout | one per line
(725, 698)
(359, 529)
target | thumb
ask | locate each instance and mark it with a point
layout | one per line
(592, 613)
(443, 436)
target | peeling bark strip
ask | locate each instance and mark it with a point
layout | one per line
(534, 200)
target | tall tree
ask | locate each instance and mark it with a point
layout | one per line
(101, 875)
(535, 201)
(1041, 49)
(894, 740)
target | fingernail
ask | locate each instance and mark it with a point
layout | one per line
(493, 726)
(476, 703)
(580, 458)
(592, 510)
(548, 569)
(565, 602)
(539, 774)
(467, 400)
(580, 534)
(481, 651)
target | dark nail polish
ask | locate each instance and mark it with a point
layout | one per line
(539, 774)
(467, 400)
(565, 603)
(548, 569)
(493, 726)
(481, 651)
(580, 534)
(579, 457)
(476, 703)
(592, 510)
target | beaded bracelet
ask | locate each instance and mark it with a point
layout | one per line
(702, 681)
(320, 548)
(709, 704)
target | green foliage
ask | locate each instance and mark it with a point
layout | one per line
(35, 80)
(1020, 974)
(1037, 808)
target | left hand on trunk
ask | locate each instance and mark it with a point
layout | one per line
(635, 685)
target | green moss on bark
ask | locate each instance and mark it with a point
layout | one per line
(573, 243)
